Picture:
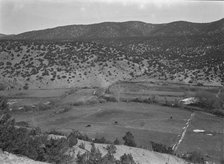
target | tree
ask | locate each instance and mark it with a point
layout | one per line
(109, 159)
(3, 105)
(129, 139)
(55, 150)
(95, 155)
(127, 159)
(72, 139)
(92, 157)
(116, 141)
(111, 149)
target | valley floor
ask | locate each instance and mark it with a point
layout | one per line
(147, 122)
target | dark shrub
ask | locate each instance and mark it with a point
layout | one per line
(42, 107)
(194, 157)
(27, 108)
(35, 131)
(161, 148)
(72, 139)
(116, 142)
(127, 159)
(81, 136)
(2, 87)
(30, 143)
(218, 112)
(92, 157)
(109, 159)
(3, 105)
(26, 86)
(82, 146)
(55, 150)
(111, 149)
(22, 123)
(206, 99)
(101, 140)
(129, 139)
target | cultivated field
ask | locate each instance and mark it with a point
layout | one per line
(86, 111)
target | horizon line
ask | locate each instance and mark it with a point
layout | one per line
(95, 23)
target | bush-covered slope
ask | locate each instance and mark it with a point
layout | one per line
(39, 64)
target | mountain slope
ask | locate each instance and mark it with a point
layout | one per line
(2, 35)
(123, 30)
(39, 64)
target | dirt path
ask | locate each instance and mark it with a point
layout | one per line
(175, 146)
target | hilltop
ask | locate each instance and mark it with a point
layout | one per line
(123, 30)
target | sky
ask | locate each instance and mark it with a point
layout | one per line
(17, 16)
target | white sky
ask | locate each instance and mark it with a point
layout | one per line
(18, 16)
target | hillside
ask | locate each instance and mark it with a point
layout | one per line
(8, 158)
(140, 156)
(52, 64)
(123, 30)
(108, 52)
(2, 35)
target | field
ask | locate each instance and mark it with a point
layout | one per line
(148, 122)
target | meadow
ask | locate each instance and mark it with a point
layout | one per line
(86, 110)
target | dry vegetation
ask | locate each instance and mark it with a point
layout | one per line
(36, 64)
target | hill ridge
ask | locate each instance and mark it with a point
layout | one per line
(121, 29)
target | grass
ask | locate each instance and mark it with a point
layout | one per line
(147, 122)
(130, 117)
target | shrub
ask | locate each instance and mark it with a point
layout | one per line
(55, 150)
(3, 105)
(64, 109)
(82, 146)
(110, 98)
(22, 123)
(218, 112)
(95, 153)
(200, 84)
(42, 107)
(111, 149)
(116, 142)
(206, 99)
(82, 158)
(92, 157)
(26, 86)
(153, 99)
(71, 91)
(30, 143)
(127, 159)
(80, 136)
(161, 148)
(129, 139)
(101, 140)
(72, 139)
(35, 131)
(2, 87)
(194, 157)
(27, 108)
(109, 159)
